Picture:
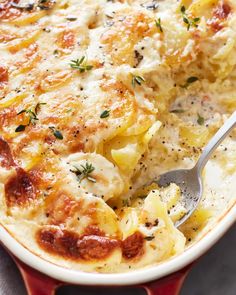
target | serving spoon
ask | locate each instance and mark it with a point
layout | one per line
(190, 180)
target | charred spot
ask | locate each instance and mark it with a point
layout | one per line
(132, 247)
(47, 237)
(220, 14)
(93, 230)
(216, 26)
(66, 244)
(8, 11)
(61, 207)
(6, 158)
(66, 39)
(138, 58)
(3, 76)
(95, 247)
(77, 147)
(19, 189)
(148, 224)
(222, 11)
(73, 246)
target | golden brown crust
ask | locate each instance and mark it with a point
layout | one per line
(127, 30)
(133, 246)
(8, 11)
(220, 15)
(6, 158)
(70, 245)
(92, 246)
(19, 189)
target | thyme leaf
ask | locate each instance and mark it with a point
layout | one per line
(189, 81)
(189, 21)
(84, 172)
(200, 120)
(56, 132)
(81, 65)
(32, 116)
(20, 128)
(158, 24)
(105, 114)
(38, 105)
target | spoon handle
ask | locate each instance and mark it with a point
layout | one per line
(215, 142)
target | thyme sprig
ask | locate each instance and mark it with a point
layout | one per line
(158, 25)
(189, 81)
(81, 65)
(189, 21)
(32, 116)
(84, 172)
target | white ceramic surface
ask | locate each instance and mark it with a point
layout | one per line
(131, 278)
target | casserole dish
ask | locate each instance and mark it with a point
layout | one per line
(96, 99)
(42, 277)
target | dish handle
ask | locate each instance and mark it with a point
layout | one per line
(169, 285)
(37, 283)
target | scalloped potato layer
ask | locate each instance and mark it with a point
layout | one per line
(98, 98)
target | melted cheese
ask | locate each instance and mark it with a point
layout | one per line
(95, 102)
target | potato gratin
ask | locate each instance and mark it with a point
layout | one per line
(96, 99)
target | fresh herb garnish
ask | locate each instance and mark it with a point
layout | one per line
(177, 111)
(158, 24)
(191, 22)
(105, 114)
(137, 80)
(37, 107)
(189, 81)
(200, 119)
(56, 132)
(20, 128)
(84, 172)
(192, 80)
(81, 65)
(32, 115)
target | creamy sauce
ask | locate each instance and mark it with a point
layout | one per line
(97, 98)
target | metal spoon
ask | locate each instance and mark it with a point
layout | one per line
(190, 180)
